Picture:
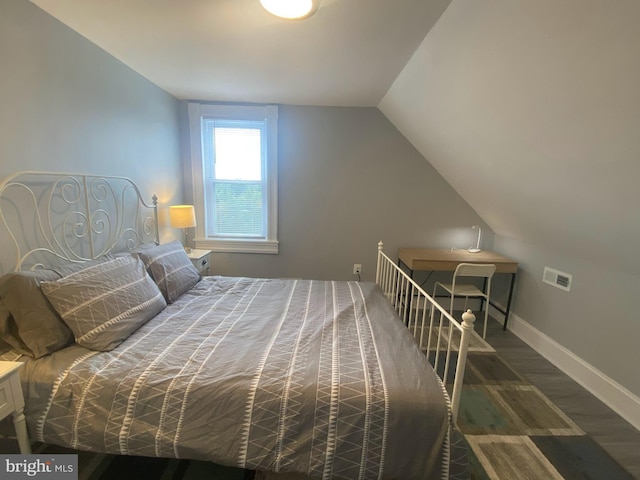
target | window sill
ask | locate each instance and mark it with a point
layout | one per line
(238, 246)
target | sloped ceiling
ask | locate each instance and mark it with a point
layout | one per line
(348, 53)
(531, 111)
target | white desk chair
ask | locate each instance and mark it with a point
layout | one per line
(456, 289)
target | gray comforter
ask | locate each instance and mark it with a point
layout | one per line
(314, 377)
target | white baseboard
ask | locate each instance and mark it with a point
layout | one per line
(615, 396)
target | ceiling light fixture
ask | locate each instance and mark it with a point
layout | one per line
(291, 9)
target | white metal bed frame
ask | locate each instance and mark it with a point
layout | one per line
(421, 313)
(49, 218)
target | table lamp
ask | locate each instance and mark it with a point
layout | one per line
(477, 247)
(182, 216)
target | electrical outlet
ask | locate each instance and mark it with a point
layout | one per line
(357, 269)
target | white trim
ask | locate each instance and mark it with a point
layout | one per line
(238, 246)
(245, 112)
(622, 401)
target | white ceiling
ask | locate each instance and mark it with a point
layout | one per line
(348, 53)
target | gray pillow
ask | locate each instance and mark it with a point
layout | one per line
(34, 328)
(106, 302)
(69, 268)
(170, 268)
(9, 332)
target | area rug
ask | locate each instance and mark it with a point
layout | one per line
(515, 432)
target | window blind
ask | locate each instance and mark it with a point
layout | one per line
(235, 174)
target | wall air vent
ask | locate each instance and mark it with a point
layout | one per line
(557, 278)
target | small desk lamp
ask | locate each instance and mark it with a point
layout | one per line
(182, 216)
(477, 248)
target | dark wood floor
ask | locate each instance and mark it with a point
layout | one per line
(611, 431)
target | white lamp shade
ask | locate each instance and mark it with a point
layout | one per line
(182, 216)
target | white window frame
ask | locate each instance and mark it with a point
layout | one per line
(235, 112)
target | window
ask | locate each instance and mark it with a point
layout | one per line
(234, 163)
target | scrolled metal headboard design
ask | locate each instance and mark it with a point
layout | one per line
(49, 218)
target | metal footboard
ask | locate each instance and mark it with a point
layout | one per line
(437, 333)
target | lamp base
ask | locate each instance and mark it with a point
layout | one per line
(473, 250)
(186, 242)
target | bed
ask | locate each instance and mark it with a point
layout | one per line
(127, 350)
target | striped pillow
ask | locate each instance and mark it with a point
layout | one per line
(106, 302)
(170, 268)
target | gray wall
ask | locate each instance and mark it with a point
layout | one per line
(66, 105)
(597, 320)
(531, 111)
(347, 179)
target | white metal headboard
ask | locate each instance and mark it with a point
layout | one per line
(50, 218)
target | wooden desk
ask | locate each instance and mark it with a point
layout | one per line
(446, 260)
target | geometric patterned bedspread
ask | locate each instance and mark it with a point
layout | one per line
(314, 377)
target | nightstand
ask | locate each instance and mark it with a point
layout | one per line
(12, 402)
(200, 260)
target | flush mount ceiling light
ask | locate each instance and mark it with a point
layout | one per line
(291, 9)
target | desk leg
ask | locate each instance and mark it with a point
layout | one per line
(484, 289)
(506, 315)
(401, 263)
(401, 295)
(20, 425)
